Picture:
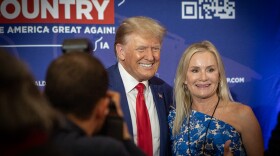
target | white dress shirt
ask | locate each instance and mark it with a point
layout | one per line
(131, 93)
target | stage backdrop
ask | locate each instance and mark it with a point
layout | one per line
(246, 33)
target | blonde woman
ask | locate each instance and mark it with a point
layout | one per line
(206, 117)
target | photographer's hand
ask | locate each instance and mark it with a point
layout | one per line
(115, 97)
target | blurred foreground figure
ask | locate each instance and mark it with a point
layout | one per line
(26, 119)
(274, 141)
(76, 85)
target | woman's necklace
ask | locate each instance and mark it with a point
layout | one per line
(204, 141)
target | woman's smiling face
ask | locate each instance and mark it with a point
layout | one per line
(202, 78)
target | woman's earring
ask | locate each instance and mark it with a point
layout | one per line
(185, 86)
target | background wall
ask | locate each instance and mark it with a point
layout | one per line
(246, 33)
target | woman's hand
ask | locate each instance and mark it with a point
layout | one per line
(227, 151)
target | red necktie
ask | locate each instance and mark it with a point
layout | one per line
(143, 122)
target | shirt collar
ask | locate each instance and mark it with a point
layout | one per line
(129, 81)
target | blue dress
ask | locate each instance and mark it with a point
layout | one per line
(218, 133)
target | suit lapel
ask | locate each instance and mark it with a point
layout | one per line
(116, 84)
(159, 99)
(158, 96)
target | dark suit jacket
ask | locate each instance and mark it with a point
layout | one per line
(162, 94)
(73, 141)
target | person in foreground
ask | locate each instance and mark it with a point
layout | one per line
(138, 44)
(206, 120)
(26, 119)
(76, 85)
(274, 141)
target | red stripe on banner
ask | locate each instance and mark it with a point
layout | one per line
(57, 11)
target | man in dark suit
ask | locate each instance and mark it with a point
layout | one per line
(77, 86)
(137, 47)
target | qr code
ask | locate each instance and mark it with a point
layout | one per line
(208, 9)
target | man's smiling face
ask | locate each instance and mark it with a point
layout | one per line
(140, 57)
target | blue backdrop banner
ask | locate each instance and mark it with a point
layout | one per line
(246, 33)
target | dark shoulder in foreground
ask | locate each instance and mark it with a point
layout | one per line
(274, 141)
(97, 145)
(71, 139)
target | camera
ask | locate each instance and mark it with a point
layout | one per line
(113, 125)
(77, 45)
